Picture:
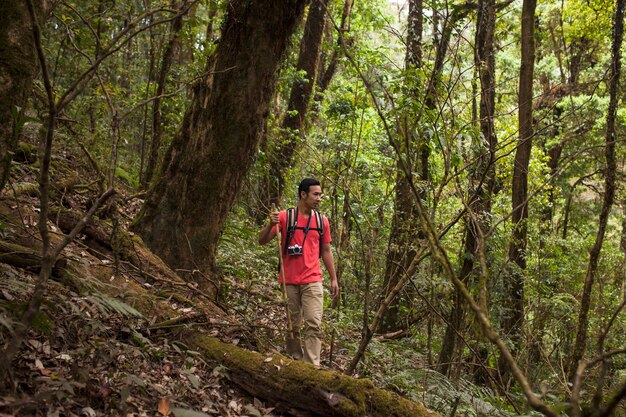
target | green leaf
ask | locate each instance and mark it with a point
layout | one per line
(182, 412)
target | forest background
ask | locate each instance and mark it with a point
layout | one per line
(469, 152)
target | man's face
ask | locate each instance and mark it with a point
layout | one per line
(313, 197)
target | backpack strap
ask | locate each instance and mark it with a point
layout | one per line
(320, 227)
(291, 223)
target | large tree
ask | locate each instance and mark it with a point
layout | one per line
(18, 68)
(405, 233)
(185, 210)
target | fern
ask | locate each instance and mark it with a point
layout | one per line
(441, 394)
(112, 305)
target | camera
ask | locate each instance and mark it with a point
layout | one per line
(294, 250)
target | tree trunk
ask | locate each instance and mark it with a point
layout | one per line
(301, 389)
(405, 232)
(18, 68)
(185, 211)
(609, 189)
(512, 323)
(331, 68)
(157, 117)
(293, 125)
(483, 178)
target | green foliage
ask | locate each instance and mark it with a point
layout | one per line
(588, 19)
(114, 306)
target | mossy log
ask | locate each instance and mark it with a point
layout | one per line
(25, 153)
(23, 257)
(129, 248)
(299, 386)
(28, 188)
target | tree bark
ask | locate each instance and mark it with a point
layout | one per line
(185, 211)
(171, 50)
(293, 124)
(331, 68)
(405, 233)
(513, 321)
(483, 177)
(609, 189)
(300, 387)
(18, 68)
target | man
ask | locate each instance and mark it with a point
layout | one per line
(303, 275)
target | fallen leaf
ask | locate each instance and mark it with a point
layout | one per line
(181, 412)
(167, 368)
(233, 404)
(87, 412)
(164, 407)
(251, 410)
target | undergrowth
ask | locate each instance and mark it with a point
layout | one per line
(398, 365)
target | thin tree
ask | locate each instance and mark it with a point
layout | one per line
(49, 252)
(512, 324)
(327, 75)
(609, 189)
(482, 178)
(171, 50)
(292, 128)
(404, 234)
(184, 212)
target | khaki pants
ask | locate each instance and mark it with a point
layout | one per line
(306, 302)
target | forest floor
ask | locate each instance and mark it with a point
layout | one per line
(90, 353)
(107, 341)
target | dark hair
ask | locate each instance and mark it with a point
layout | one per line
(305, 184)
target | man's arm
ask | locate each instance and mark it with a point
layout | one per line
(267, 234)
(329, 263)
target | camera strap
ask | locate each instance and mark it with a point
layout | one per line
(292, 226)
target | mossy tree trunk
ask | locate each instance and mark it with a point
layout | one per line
(185, 210)
(405, 232)
(18, 68)
(301, 389)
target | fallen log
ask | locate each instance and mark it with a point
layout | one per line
(26, 258)
(297, 385)
(99, 234)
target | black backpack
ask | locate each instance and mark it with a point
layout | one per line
(292, 221)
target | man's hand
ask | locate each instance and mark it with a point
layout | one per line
(274, 218)
(267, 233)
(334, 288)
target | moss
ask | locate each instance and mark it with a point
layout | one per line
(179, 298)
(43, 323)
(302, 385)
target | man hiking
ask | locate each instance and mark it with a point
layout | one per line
(305, 238)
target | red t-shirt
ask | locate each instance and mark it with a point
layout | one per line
(305, 268)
